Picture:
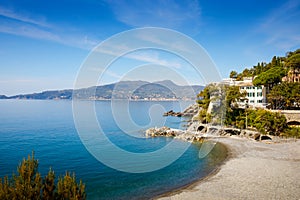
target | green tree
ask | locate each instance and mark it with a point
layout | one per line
(233, 95)
(28, 181)
(293, 62)
(274, 62)
(28, 184)
(285, 96)
(211, 95)
(49, 185)
(233, 74)
(67, 188)
(267, 122)
(270, 77)
(204, 98)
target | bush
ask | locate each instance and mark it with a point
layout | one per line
(292, 132)
(28, 184)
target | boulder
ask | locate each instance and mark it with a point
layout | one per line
(172, 113)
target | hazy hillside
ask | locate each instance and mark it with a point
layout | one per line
(121, 90)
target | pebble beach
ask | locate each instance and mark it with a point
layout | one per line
(253, 170)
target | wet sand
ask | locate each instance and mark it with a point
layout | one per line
(254, 170)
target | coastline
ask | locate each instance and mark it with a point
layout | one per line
(252, 170)
(192, 185)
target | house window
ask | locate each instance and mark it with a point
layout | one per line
(259, 101)
(252, 101)
(253, 94)
(259, 94)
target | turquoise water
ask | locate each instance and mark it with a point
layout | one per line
(47, 127)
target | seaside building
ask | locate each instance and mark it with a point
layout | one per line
(255, 95)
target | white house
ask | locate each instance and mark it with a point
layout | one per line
(255, 95)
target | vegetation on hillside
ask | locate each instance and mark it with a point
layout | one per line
(290, 61)
(212, 95)
(29, 184)
(264, 121)
(285, 96)
(203, 101)
(282, 95)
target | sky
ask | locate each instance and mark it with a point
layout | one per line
(43, 44)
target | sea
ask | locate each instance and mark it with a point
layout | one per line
(47, 128)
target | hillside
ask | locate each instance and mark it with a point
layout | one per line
(281, 78)
(135, 90)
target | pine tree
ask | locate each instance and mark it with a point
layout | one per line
(28, 184)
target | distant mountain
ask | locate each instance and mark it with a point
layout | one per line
(3, 97)
(135, 90)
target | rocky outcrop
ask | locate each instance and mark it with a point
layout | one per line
(176, 133)
(190, 111)
(198, 132)
(163, 131)
(172, 113)
(206, 132)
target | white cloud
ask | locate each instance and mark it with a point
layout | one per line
(30, 31)
(168, 13)
(148, 56)
(175, 45)
(113, 74)
(9, 13)
(107, 72)
(26, 30)
(37, 28)
(154, 58)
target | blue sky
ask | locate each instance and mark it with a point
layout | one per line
(44, 43)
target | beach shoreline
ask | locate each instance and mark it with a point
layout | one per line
(190, 186)
(252, 170)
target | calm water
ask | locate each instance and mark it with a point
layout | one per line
(47, 127)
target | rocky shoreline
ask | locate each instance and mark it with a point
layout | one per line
(190, 111)
(197, 131)
(258, 167)
(176, 133)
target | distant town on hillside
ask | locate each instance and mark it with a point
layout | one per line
(133, 90)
